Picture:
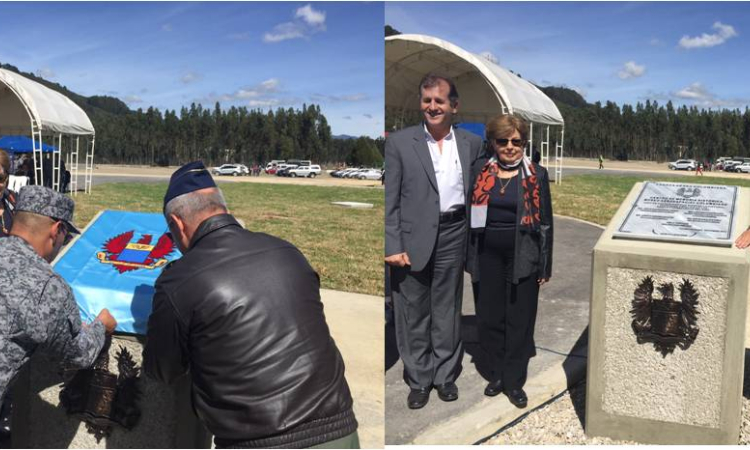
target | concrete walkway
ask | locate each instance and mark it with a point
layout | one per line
(356, 323)
(561, 341)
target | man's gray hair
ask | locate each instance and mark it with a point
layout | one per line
(187, 206)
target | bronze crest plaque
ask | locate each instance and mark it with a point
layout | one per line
(101, 398)
(666, 323)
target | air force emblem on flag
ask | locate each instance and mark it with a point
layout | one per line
(125, 255)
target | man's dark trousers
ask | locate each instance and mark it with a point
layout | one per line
(427, 307)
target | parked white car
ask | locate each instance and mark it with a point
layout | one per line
(305, 171)
(370, 174)
(744, 167)
(231, 169)
(683, 164)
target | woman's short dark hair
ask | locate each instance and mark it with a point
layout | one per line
(432, 80)
(503, 126)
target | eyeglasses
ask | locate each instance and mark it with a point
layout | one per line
(68, 234)
(504, 142)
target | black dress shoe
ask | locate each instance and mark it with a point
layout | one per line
(517, 397)
(494, 388)
(447, 392)
(418, 398)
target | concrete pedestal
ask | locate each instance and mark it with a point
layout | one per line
(690, 396)
(39, 421)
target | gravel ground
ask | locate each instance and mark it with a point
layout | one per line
(561, 422)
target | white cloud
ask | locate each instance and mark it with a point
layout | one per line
(307, 21)
(656, 42)
(190, 77)
(45, 73)
(167, 27)
(338, 98)
(284, 31)
(310, 16)
(631, 70)
(723, 32)
(699, 95)
(489, 57)
(695, 91)
(263, 103)
(260, 95)
(131, 99)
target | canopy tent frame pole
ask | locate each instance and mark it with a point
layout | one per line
(73, 167)
(559, 157)
(544, 147)
(89, 165)
(530, 145)
(56, 164)
(37, 155)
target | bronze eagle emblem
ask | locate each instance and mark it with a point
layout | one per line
(101, 398)
(666, 323)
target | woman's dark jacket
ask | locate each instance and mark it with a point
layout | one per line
(8, 203)
(533, 250)
(241, 312)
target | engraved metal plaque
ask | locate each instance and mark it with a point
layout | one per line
(682, 212)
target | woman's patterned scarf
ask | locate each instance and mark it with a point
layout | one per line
(487, 178)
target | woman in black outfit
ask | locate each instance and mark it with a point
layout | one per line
(7, 197)
(510, 253)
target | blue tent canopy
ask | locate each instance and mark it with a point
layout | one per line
(21, 144)
(473, 127)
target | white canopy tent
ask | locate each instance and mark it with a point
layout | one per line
(486, 89)
(27, 106)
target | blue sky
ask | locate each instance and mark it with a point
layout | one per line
(692, 53)
(167, 55)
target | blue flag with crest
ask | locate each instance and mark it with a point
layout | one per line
(114, 264)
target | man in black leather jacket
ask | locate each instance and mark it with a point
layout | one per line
(241, 312)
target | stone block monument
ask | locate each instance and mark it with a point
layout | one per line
(667, 322)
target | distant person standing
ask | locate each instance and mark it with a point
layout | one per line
(699, 169)
(601, 161)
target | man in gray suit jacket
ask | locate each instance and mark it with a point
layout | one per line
(427, 192)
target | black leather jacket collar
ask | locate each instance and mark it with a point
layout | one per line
(212, 224)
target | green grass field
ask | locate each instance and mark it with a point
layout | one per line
(596, 198)
(344, 245)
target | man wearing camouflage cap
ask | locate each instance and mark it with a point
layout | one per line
(37, 307)
(241, 312)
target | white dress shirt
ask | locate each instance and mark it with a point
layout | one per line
(448, 173)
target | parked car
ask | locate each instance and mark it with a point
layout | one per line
(341, 173)
(354, 173)
(744, 167)
(370, 174)
(305, 171)
(683, 164)
(231, 169)
(283, 170)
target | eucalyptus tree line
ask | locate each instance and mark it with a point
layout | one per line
(654, 132)
(234, 135)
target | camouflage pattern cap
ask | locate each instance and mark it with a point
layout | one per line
(46, 202)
